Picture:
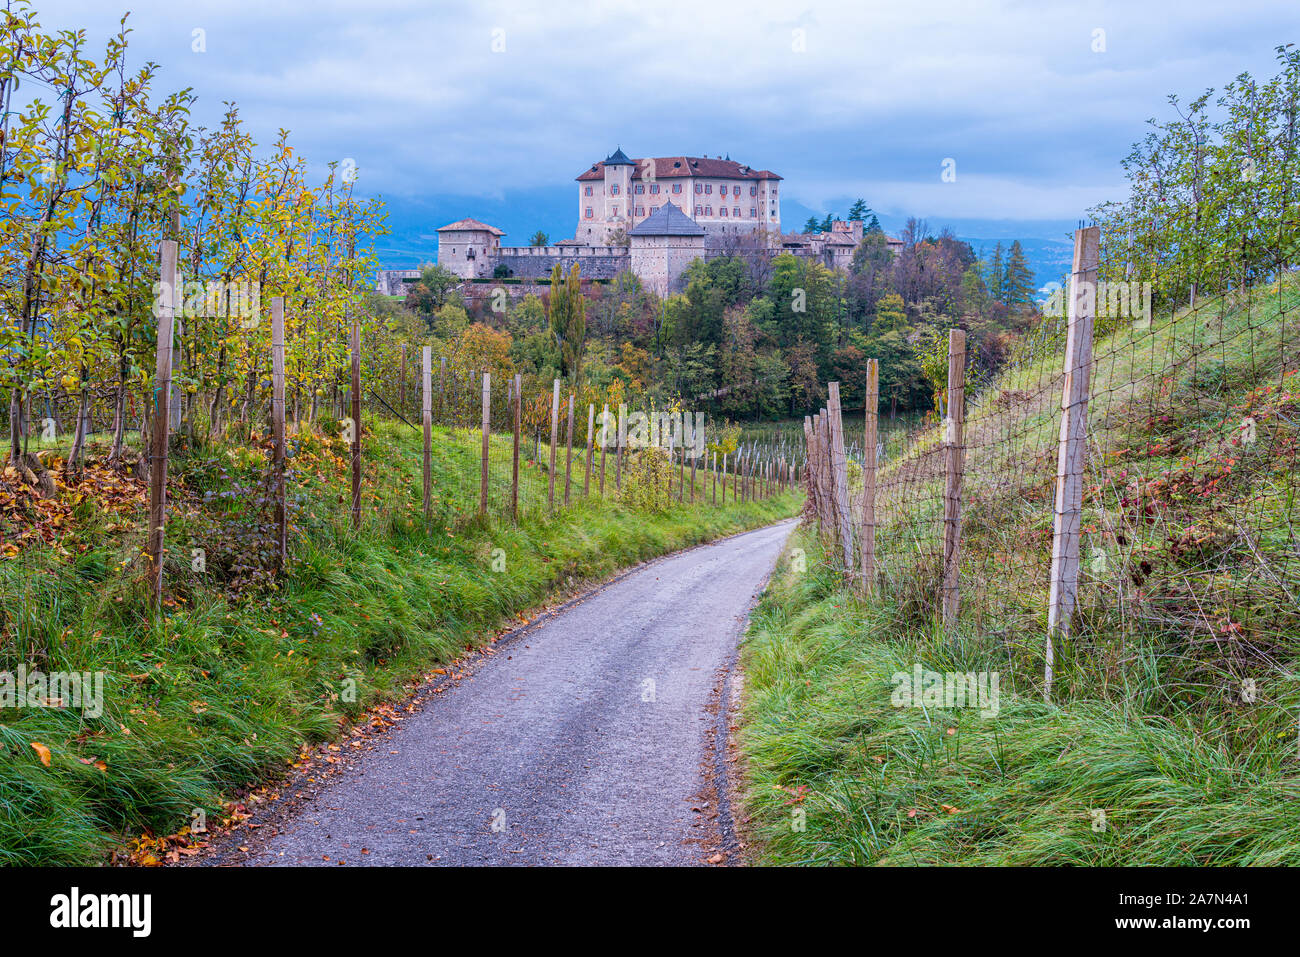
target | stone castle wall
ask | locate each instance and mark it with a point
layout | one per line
(536, 262)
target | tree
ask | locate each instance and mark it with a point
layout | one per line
(567, 313)
(812, 225)
(858, 211)
(1018, 282)
(997, 273)
(539, 239)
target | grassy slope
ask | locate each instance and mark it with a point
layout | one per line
(228, 687)
(1149, 730)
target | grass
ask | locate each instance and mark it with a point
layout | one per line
(245, 667)
(1171, 736)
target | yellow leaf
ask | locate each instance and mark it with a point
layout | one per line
(43, 752)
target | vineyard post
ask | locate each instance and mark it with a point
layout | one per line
(356, 424)
(568, 453)
(442, 389)
(514, 474)
(713, 472)
(1072, 448)
(427, 417)
(277, 429)
(555, 438)
(401, 384)
(695, 464)
(681, 473)
(487, 435)
(161, 426)
(604, 441)
(618, 450)
(955, 440)
(586, 474)
(870, 425)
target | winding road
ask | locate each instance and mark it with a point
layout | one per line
(594, 736)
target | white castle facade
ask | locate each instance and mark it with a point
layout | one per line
(651, 216)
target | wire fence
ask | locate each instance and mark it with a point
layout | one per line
(1123, 493)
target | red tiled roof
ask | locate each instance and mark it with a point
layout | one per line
(464, 225)
(674, 167)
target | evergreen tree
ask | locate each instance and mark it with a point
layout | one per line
(858, 211)
(874, 225)
(826, 223)
(997, 272)
(1018, 283)
(812, 226)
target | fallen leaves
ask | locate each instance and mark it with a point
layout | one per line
(42, 752)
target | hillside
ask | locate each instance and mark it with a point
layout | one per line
(1170, 735)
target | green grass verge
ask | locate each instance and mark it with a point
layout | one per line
(227, 686)
(837, 774)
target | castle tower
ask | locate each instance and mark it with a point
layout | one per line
(618, 192)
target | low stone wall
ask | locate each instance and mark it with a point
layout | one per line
(536, 262)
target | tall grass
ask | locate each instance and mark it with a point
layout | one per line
(226, 687)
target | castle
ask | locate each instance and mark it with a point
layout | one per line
(650, 216)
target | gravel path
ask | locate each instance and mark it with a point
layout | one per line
(588, 738)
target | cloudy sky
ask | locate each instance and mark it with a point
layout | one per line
(490, 109)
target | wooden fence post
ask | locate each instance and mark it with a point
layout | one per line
(870, 425)
(277, 430)
(604, 441)
(1072, 449)
(555, 438)
(514, 474)
(426, 405)
(955, 440)
(681, 473)
(442, 389)
(162, 385)
(487, 435)
(401, 384)
(568, 454)
(356, 424)
(713, 472)
(695, 464)
(618, 451)
(586, 472)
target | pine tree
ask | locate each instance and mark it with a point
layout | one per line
(997, 274)
(812, 226)
(826, 223)
(874, 225)
(1018, 283)
(858, 211)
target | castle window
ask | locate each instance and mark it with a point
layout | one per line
(640, 210)
(614, 189)
(654, 188)
(721, 212)
(753, 213)
(640, 188)
(735, 211)
(588, 216)
(614, 212)
(708, 210)
(708, 188)
(699, 211)
(587, 191)
(677, 187)
(735, 191)
(699, 188)
(753, 191)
